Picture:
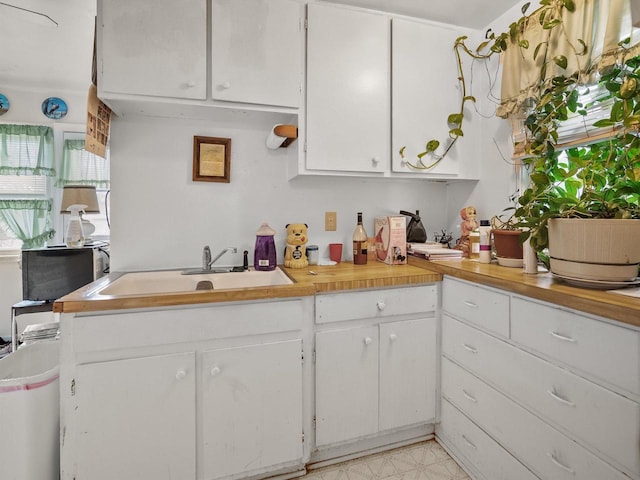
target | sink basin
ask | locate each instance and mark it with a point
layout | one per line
(158, 282)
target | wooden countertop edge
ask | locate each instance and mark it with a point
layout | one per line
(543, 286)
(341, 277)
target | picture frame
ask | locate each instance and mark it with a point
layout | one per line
(211, 159)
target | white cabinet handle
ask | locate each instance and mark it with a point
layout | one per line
(469, 397)
(559, 464)
(225, 85)
(368, 340)
(470, 348)
(215, 371)
(180, 374)
(564, 338)
(468, 442)
(393, 337)
(375, 160)
(381, 305)
(190, 84)
(470, 304)
(558, 398)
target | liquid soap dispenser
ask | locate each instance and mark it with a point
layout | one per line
(74, 238)
(264, 255)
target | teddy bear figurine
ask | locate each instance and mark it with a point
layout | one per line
(295, 254)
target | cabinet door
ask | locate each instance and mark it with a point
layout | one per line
(424, 92)
(153, 47)
(137, 419)
(407, 373)
(251, 408)
(348, 104)
(346, 384)
(256, 51)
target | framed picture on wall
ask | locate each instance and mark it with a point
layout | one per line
(211, 159)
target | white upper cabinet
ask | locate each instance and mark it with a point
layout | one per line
(153, 48)
(424, 92)
(348, 105)
(256, 51)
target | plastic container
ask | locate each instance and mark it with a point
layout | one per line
(264, 254)
(30, 413)
(74, 238)
(313, 254)
(485, 242)
(474, 244)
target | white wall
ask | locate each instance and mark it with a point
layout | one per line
(162, 219)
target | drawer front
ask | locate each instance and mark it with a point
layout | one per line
(608, 422)
(337, 307)
(481, 306)
(545, 451)
(482, 452)
(169, 326)
(608, 352)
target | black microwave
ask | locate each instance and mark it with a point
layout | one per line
(51, 273)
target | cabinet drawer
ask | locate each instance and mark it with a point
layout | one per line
(483, 453)
(169, 326)
(486, 308)
(545, 451)
(608, 422)
(608, 352)
(336, 307)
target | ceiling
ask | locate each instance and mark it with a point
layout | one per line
(58, 57)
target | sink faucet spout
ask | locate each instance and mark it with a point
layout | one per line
(207, 261)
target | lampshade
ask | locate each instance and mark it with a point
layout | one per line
(80, 195)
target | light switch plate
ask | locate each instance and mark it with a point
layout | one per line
(330, 221)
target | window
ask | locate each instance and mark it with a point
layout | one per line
(26, 162)
(80, 167)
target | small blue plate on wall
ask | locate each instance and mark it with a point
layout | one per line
(4, 104)
(54, 107)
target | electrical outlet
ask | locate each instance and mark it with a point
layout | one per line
(330, 221)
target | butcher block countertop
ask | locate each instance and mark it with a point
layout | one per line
(343, 276)
(347, 276)
(542, 286)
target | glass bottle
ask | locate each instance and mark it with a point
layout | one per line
(360, 241)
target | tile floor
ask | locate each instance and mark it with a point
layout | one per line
(422, 461)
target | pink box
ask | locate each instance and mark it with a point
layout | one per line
(391, 239)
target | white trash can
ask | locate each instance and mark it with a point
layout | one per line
(30, 413)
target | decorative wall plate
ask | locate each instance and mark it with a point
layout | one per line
(4, 104)
(54, 107)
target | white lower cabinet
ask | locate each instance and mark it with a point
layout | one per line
(217, 392)
(529, 386)
(379, 376)
(480, 453)
(137, 418)
(251, 411)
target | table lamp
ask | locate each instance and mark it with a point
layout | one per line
(81, 195)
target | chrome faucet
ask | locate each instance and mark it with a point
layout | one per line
(207, 261)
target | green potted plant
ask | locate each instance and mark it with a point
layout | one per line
(599, 183)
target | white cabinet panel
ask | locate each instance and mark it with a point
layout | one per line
(479, 449)
(136, 418)
(599, 418)
(609, 352)
(346, 384)
(544, 450)
(487, 308)
(348, 99)
(256, 51)
(383, 303)
(424, 93)
(407, 373)
(251, 408)
(154, 48)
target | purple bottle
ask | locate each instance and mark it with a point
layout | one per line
(264, 254)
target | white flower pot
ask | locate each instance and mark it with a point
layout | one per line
(595, 249)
